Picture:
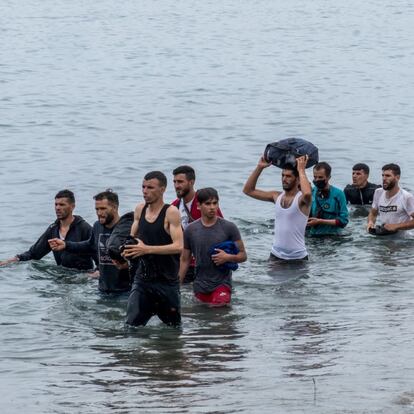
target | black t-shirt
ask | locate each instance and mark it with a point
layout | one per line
(111, 278)
(360, 196)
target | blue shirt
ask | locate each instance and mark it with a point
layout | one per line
(330, 207)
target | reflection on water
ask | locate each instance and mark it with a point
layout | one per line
(94, 95)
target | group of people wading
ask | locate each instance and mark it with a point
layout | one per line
(151, 251)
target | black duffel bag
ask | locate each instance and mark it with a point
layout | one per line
(285, 152)
(119, 235)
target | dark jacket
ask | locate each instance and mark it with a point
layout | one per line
(79, 230)
(111, 279)
(360, 196)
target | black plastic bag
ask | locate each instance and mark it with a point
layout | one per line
(286, 151)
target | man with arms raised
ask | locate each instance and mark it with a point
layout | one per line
(212, 282)
(157, 228)
(393, 205)
(112, 278)
(66, 227)
(292, 206)
(187, 204)
(361, 191)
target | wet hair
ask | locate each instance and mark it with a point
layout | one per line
(66, 194)
(393, 167)
(187, 170)
(206, 194)
(361, 166)
(323, 166)
(162, 179)
(294, 170)
(109, 195)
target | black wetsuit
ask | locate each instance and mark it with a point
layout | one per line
(360, 196)
(155, 290)
(111, 279)
(79, 230)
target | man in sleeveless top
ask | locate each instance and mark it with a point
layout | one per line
(66, 227)
(113, 277)
(212, 283)
(157, 229)
(187, 204)
(292, 207)
(393, 205)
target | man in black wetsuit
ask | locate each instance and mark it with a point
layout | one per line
(66, 227)
(113, 278)
(360, 191)
(157, 226)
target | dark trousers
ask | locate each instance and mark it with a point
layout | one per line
(150, 298)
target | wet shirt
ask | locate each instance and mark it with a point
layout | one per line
(156, 267)
(111, 279)
(289, 230)
(331, 207)
(78, 231)
(360, 196)
(393, 210)
(198, 239)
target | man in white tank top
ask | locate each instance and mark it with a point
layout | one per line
(393, 205)
(292, 207)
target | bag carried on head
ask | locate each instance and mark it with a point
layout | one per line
(285, 152)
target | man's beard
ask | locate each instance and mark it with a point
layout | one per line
(183, 193)
(109, 218)
(389, 186)
(288, 187)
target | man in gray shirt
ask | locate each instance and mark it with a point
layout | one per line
(212, 282)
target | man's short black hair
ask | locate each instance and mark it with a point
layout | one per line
(393, 167)
(160, 176)
(109, 195)
(206, 194)
(66, 194)
(294, 170)
(323, 166)
(361, 166)
(187, 170)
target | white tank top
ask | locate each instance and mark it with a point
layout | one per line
(290, 226)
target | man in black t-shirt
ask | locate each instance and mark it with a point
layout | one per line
(360, 191)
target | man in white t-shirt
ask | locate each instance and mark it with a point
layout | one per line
(392, 205)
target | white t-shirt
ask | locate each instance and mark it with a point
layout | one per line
(394, 210)
(185, 220)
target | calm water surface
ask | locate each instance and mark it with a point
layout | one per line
(95, 94)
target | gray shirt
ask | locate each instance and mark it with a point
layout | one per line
(199, 238)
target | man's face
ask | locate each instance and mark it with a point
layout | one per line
(63, 208)
(289, 181)
(209, 208)
(320, 176)
(182, 186)
(359, 178)
(389, 180)
(105, 211)
(152, 191)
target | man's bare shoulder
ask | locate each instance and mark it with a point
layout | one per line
(173, 213)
